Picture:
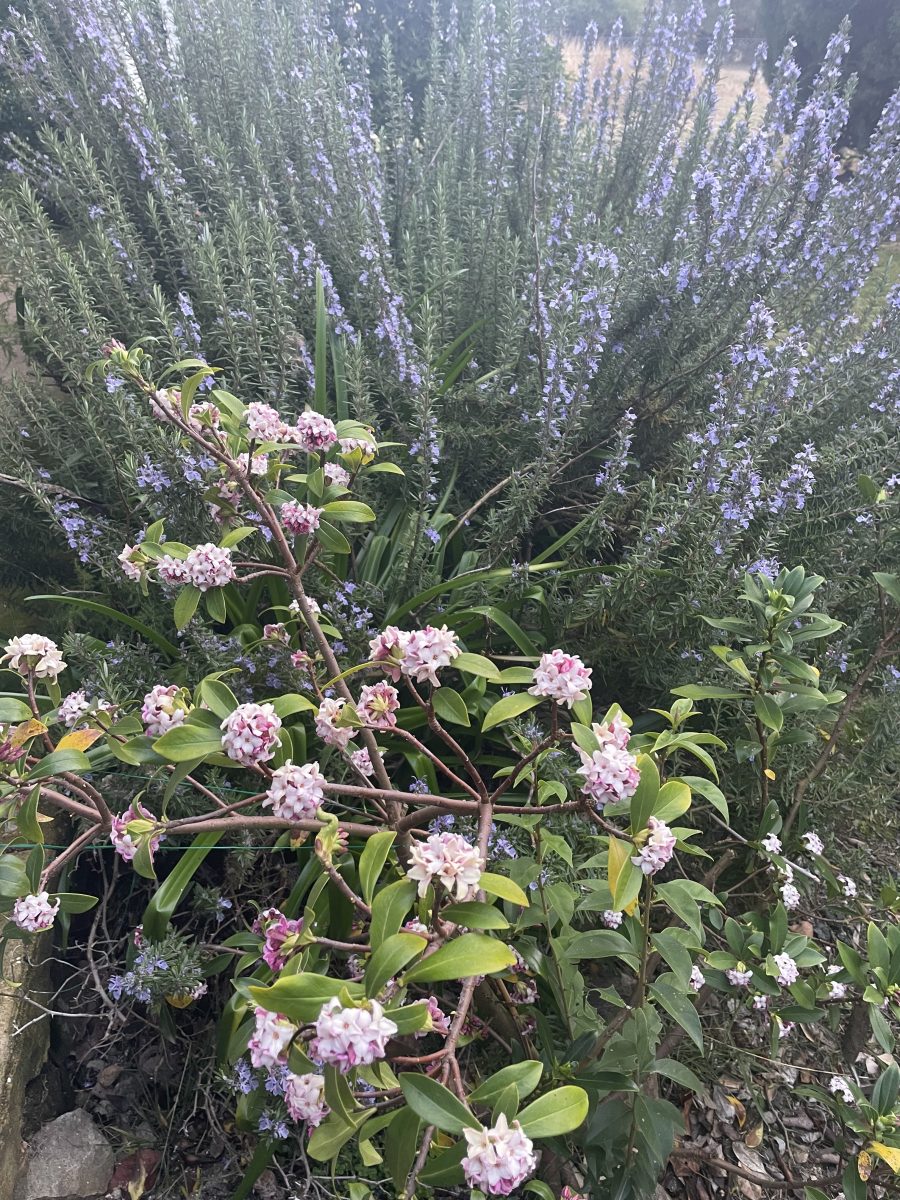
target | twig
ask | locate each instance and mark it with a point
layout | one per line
(722, 1164)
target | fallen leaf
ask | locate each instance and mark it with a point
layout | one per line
(888, 1154)
(864, 1165)
(739, 1110)
(755, 1136)
(137, 1172)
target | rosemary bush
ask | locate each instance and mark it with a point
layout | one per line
(599, 310)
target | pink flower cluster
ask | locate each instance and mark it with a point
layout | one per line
(813, 842)
(124, 843)
(73, 708)
(611, 918)
(312, 432)
(171, 570)
(419, 653)
(657, 850)
(449, 859)
(35, 913)
(204, 415)
(35, 655)
(264, 422)
(697, 979)
(326, 722)
(378, 702)
(276, 929)
(132, 570)
(561, 677)
(295, 792)
(610, 772)
(209, 566)
(299, 519)
(362, 761)
(271, 1038)
(304, 1096)
(739, 976)
(164, 708)
(251, 734)
(499, 1158)
(351, 1037)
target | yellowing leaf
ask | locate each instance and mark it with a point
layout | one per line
(739, 1111)
(79, 739)
(619, 859)
(769, 773)
(182, 1000)
(888, 1154)
(755, 1136)
(29, 729)
(864, 1165)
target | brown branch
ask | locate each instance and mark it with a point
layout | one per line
(722, 1164)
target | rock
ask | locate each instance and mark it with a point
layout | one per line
(70, 1157)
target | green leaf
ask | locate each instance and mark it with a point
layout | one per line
(13, 711)
(475, 914)
(450, 706)
(768, 711)
(59, 761)
(444, 1169)
(889, 583)
(709, 791)
(558, 845)
(218, 697)
(332, 539)
(112, 614)
(470, 954)
(555, 1113)
(476, 664)
(600, 943)
(524, 1076)
(74, 902)
(683, 897)
(643, 802)
(622, 870)
(389, 908)
(186, 605)
(159, 911)
(391, 956)
(353, 511)
(13, 880)
(674, 799)
(696, 691)
(326, 1141)
(508, 708)
(291, 703)
(400, 1145)
(234, 537)
(537, 1188)
(26, 819)
(678, 1073)
(435, 1104)
(300, 997)
(193, 740)
(669, 945)
(372, 860)
(503, 888)
(679, 1007)
(584, 737)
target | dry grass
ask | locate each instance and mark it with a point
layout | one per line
(731, 80)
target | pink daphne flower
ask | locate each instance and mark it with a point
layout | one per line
(133, 570)
(813, 842)
(610, 773)
(426, 651)
(295, 792)
(658, 849)
(35, 913)
(251, 734)
(164, 708)
(264, 422)
(32, 654)
(613, 733)
(790, 895)
(271, 1038)
(204, 415)
(73, 708)
(299, 519)
(171, 570)
(387, 648)
(327, 724)
(351, 1037)
(788, 971)
(739, 976)
(336, 475)
(772, 844)
(612, 919)
(449, 859)
(276, 929)
(499, 1158)
(124, 843)
(561, 677)
(362, 762)
(377, 704)
(697, 979)
(209, 566)
(304, 1096)
(312, 432)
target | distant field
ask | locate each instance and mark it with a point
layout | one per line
(731, 80)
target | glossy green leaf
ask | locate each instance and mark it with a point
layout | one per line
(644, 800)
(524, 1075)
(768, 711)
(450, 706)
(435, 1104)
(372, 860)
(61, 761)
(470, 954)
(555, 1113)
(391, 957)
(508, 708)
(476, 664)
(475, 914)
(389, 907)
(159, 911)
(186, 605)
(503, 888)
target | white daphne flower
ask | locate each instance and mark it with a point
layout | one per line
(33, 654)
(427, 651)
(164, 708)
(612, 919)
(35, 913)
(499, 1158)
(813, 842)
(351, 1037)
(790, 896)
(264, 422)
(657, 850)
(133, 570)
(610, 773)
(788, 971)
(698, 979)
(840, 1087)
(327, 724)
(271, 1038)
(73, 708)
(772, 843)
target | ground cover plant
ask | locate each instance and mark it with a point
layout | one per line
(395, 930)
